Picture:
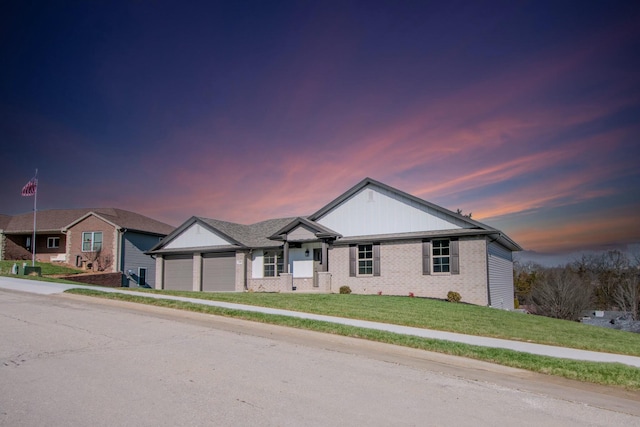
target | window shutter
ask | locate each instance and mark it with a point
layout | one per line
(352, 260)
(426, 258)
(376, 259)
(455, 257)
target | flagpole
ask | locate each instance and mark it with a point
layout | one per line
(33, 242)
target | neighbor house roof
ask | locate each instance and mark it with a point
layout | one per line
(4, 221)
(127, 220)
(55, 220)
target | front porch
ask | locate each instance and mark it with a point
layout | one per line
(286, 282)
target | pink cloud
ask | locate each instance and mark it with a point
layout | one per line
(478, 137)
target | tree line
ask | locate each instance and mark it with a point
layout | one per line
(604, 281)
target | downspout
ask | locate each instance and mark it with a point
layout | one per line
(119, 253)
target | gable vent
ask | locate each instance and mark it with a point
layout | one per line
(370, 196)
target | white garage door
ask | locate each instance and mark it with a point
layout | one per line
(178, 272)
(219, 272)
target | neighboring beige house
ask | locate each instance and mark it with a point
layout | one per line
(102, 239)
(373, 238)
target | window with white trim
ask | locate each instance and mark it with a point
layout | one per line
(365, 260)
(273, 263)
(441, 256)
(53, 242)
(91, 241)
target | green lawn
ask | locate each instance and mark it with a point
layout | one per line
(443, 316)
(614, 374)
(48, 269)
(423, 313)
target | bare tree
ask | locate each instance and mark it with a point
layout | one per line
(559, 293)
(98, 261)
(627, 295)
(604, 272)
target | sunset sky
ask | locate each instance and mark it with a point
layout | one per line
(525, 113)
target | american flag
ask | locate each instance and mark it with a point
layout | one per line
(30, 188)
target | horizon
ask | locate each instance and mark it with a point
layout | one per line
(526, 115)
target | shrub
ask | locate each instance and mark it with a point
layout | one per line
(453, 296)
(559, 293)
(345, 290)
(516, 303)
(411, 295)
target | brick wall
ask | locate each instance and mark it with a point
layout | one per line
(401, 272)
(113, 280)
(92, 223)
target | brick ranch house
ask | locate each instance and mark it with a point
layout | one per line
(373, 238)
(108, 240)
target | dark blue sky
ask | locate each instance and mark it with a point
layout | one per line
(525, 113)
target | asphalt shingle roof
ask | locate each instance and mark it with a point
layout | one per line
(57, 219)
(253, 235)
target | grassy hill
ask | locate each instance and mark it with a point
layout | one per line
(433, 314)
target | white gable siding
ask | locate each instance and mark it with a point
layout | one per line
(374, 210)
(196, 236)
(500, 276)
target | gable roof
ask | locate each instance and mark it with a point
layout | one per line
(130, 221)
(269, 233)
(55, 220)
(479, 227)
(240, 235)
(252, 235)
(319, 230)
(369, 181)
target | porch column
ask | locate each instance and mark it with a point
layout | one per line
(159, 272)
(325, 256)
(286, 256)
(197, 272)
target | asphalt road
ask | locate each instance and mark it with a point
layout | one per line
(76, 361)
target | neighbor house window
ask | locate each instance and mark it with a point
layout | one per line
(365, 260)
(273, 263)
(91, 241)
(53, 242)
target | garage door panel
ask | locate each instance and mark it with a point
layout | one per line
(178, 272)
(219, 272)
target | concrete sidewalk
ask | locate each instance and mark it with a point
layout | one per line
(48, 288)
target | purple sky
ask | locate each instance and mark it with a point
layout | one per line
(525, 113)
